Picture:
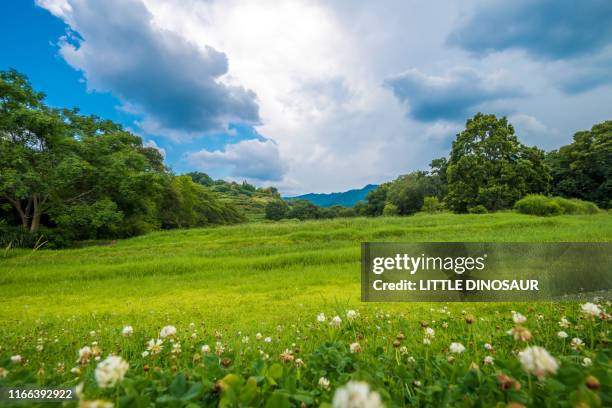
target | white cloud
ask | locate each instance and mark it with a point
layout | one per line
(250, 159)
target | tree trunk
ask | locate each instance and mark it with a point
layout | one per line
(17, 204)
(36, 215)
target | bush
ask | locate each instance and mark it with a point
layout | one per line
(431, 205)
(545, 206)
(576, 206)
(536, 204)
(390, 210)
(478, 209)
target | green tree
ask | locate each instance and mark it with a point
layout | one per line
(583, 169)
(407, 192)
(488, 166)
(376, 200)
(276, 210)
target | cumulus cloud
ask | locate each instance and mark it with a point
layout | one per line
(452, 97)
(249, 159)
(174, 83)
(552, 29)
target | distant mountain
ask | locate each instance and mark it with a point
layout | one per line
(346, 199)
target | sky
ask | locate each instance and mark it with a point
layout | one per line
(316, 96)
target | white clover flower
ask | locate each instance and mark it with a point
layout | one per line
(155, 346)
(445, 325)
(576, 343)
(430, 333)
(487, 346)
(127, 331)
(167, 331)
(336, 321)
(16, 359)
(3, 372)
(355, 347)
(351, 315)
(92, 333)
(564, 323)
(488, 360)
(590, 309)
(321, 317)
(245, 339)
(176, 348)
(39, 347)
(324, 383)
(259, 336)
(518, 318)
(219, 348)
(456, 348)
(268, 340)
(562, 335)
(84, 355)
(587, 362)
(144, 354)
(403, 350)
(356, 395)
(205, 348)
(537, 361)
(426, 341)
(417, 383)
(411, 360)
(110, 371)
(75, 370)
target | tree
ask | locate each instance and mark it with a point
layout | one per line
(488, 166)
(303, 210)
(583, 169)
(276, 210)
(408, 192)
(376, 200)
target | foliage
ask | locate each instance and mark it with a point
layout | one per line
(478, 209)
(488, 166)
(276, 210)
(82, 178)
(583, 169)
(390, 209)
(432, 205)
(536, 204)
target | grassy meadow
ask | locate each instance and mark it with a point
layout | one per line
(222, 286)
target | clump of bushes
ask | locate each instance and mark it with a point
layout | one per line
(536, 204)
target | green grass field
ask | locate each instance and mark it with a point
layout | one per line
(250, 278)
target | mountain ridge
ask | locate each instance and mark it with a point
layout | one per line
(344, 198)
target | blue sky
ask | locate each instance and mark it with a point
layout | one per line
(316, 96)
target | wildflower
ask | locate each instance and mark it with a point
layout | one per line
(537, 361)
(445, 325)
(562, 335)
(39, 347)
(403, 350)
(411, 360)
(268, 340)
(487, 346)
(336, 321)
(488, 360)
(564, 323)
(84, 355)
(167, 331)
(456, 348)
(521, 333)
(127, 331)
(355, 348)
(176, 348)
(16, 359)
(92, 333)
(75, 370)
(576, 343)
(145, 354)
(470, 319)
(286, 356)
(3, 372)
(324, 383)
(417, 383)
(299, 362)
(506, 382)
(111, 371)
(321, 317)
(430, 333)
(258, 336)
(590, 309)
(245, 340)
(518, 318)
(426, 341)
(219, 348)
(351, 315)
(587, 362)
(205, 348)
(356, 395)
(155, 346)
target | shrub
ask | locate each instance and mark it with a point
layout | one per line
(431, 205)
(536, 204)
(478, 209)
(576, 206)
(390, 209)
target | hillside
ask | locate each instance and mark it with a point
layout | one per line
(346, 198)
